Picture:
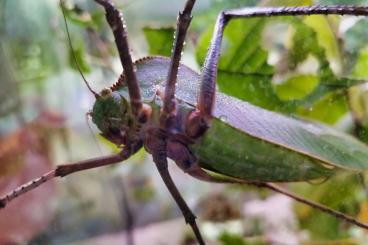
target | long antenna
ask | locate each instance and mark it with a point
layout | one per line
(74, 57)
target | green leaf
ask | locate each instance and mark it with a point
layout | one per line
(30, 40)
(160, 40)
(296, 87)
(329, 109)
(78, 17)
(306, 42)
(243, 70)
(323, 27)
(231, 239)
(340, 193)
(325, 102)
(245, 73)
(355, 37)
(360, 69)
(204, 19)
(358, 97)
(358, 103)
(79, 54)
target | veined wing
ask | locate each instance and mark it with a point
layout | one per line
(311, 139)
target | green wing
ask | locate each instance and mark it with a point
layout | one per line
(249, 142)
(312, 139)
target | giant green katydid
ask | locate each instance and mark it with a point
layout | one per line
(154, 104)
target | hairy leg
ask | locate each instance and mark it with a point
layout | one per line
(115, 19)
(183, 23)
(63, 170)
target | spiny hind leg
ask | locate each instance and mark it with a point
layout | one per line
(200, 119)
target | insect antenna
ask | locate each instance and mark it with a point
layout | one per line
(337, 214)
(73, 53)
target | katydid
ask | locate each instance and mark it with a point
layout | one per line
(174, 112)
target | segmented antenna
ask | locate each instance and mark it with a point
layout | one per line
(74, 57)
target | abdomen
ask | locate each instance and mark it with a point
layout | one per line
(228, 151)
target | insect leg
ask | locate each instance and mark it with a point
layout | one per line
(183, 23)
(161, 164)
(115, 19)
(63, 170)
(209, 73)
(203, 175)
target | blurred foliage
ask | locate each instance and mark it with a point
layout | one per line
(26, 154)
(245, 72)
(323, 226)
(163, 36)
(230, 239)
(296, 87)
(243, 69)
(302, 66)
